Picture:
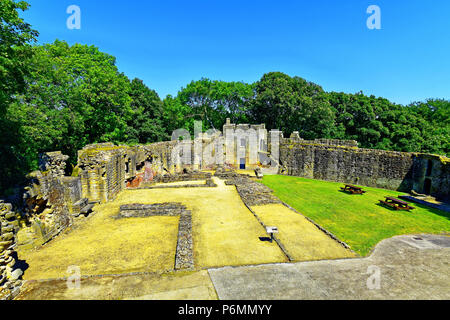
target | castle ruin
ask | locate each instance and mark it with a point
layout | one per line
(52, 200)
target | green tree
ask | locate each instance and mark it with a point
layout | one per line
(209, 101)
(434, 125)
(292, 104)
(74, 96)
(16, 38)
(358, 117)
(146, 125)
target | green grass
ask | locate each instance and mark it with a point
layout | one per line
(356, 219)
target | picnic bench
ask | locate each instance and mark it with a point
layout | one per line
(396, 204)
(353, 189)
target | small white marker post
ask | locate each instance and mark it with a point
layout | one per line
(271, 231)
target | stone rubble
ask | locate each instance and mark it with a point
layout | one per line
(251, 192)
(10, 275)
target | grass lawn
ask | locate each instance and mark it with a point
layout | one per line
(356, 219)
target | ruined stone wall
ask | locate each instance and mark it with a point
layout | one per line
(243, 144)
(329, 142)
(158, 156)
(9, 272)
(375, 168)
(436, 169)
(47, 200)
(103, 170)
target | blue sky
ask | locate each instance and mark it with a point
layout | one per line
(169, 43)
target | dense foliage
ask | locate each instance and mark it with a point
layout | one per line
(61, 97)
(16, 38)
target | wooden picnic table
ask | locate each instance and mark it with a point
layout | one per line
(353, 189)
(397, 204)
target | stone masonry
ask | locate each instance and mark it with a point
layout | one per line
(400, 171)
(10, 274)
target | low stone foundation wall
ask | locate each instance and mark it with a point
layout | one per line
(139, 182)
(184, 257)
(252, 193)
(189, 176)
(148, 210)
(209, 183)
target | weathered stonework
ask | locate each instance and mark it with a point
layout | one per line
(374, 168)
(103, 171)
(10, 274)
(251, 192)
(52, 199)
(48, 201)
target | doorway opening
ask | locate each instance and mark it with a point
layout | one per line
(429, 168)
(427, 186)
(242, 163)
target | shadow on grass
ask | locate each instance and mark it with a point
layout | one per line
(351, 194)
(265, 239)
(387, 207)
(416, 206)
(430, 210)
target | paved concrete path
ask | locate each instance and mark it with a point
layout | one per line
(410, 267)
(181, 285)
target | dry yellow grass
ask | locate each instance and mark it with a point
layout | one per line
(224, 232)
(302, 239)
(104, 245)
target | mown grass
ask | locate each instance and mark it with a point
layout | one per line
(357, 220)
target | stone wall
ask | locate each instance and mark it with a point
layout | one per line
(435, 169)
(329, 142)
(48, 201)
(104, 169)
(158, 156)
(9, 272)
(375, 168)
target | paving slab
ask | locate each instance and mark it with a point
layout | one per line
(181, 285)
(402, 267)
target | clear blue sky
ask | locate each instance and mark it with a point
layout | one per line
(169, 43)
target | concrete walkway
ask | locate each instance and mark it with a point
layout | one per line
(409, 267)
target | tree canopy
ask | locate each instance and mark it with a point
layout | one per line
(61, 97)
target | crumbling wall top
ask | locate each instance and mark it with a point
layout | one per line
(54, 162)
